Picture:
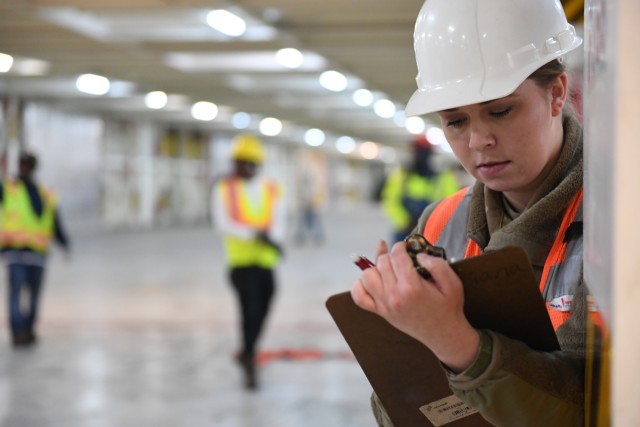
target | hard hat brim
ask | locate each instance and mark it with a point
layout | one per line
(474, 90)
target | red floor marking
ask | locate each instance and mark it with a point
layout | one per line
(293, 354)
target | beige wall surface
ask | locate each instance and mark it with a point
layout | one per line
(612, 176)
(626, 301)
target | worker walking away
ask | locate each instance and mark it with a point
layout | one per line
(410, 189)
(249, 211)
(30, 219)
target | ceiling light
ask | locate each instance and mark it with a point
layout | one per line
(156, 100)
(345, 144)
(235, 62)
(93, 84)
(363, 97)
(241, 120)
(369, 150)
(414, 125)
(436, 136)
(30, 67)
(5, 62)
(205, 111)
(226, 22)
(333, 81)
(270, 126)
(314, 137)
(384, 108)
(399, 118)
(289, 57)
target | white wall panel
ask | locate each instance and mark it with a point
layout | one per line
(612, 109)
(69, 150)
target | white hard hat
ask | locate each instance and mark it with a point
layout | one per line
(471, 51)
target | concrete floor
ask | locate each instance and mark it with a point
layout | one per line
(137, 329)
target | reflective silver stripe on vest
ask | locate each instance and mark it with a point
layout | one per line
(454, 242)
(564, 278)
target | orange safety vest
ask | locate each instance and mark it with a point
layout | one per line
(562, 269)
(257, 214)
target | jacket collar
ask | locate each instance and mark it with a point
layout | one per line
(535, 229)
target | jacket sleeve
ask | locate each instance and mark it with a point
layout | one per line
(59, 231)
(278, 228)
(523, 387)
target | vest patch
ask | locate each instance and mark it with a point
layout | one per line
(562, 303)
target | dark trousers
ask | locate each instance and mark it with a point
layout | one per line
(25, 282)
(254, 288)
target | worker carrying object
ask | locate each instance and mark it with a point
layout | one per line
(249, 211)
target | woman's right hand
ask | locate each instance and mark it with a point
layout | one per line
(429, 310)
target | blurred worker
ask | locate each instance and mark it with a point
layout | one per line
(310, 198)
(29, 218)
(249, 211)
(408, 190)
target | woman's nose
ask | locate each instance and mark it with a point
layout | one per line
(480, 136)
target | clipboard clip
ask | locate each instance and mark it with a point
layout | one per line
(417, 243)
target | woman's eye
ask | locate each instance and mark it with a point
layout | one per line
(455, 123)
(501, 113)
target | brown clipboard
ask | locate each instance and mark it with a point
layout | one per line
(501, 294)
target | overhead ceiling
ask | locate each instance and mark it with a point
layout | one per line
(148, 45)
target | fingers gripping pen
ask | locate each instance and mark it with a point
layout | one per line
(415, 244)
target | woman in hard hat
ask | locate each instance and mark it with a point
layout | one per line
(492, 72)
(249, 212)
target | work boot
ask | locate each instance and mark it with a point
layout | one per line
(248, 365)
(21, 338)
(33, 338)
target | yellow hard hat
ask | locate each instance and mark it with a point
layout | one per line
(247, 148)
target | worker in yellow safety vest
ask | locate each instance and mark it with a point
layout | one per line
(30, 219)
(249, 212)
(410, 189)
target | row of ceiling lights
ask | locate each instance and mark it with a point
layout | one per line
(234, 26)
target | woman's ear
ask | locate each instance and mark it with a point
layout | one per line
(559, 90)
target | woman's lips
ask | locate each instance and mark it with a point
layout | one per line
(490, 169)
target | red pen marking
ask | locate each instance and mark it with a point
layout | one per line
(362, 262)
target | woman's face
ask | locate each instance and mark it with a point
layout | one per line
(510, 144)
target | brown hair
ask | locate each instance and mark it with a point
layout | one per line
(544, 75)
